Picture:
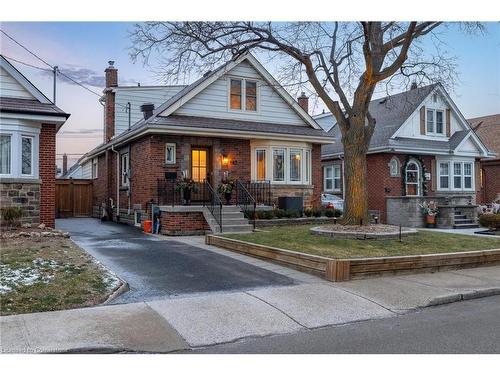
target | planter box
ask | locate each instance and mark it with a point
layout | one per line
(359, 268)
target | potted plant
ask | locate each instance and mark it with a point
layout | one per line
(430, 211)
(187, 185)
(226, 188)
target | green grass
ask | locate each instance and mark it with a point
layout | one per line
(66, 276)
(298, 238)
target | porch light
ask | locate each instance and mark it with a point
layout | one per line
(297, 157)
(225, 160)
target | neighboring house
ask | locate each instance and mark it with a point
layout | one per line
(422, 149)
(29, 122)
(488, 130)
(235, 121)
(77, 171)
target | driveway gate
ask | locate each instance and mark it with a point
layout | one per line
(73, 198)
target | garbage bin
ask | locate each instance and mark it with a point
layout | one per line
(148, 225)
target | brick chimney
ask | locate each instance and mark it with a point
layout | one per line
(303, 101)
(109, 107)
(65, 164)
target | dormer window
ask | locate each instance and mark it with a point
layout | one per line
(243, 95)
(435, 122)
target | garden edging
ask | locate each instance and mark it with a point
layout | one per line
(358, 268)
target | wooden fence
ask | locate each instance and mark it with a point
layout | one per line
(73, 198)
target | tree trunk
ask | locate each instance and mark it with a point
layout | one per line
(355, 178)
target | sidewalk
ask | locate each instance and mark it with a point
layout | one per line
(180, 323)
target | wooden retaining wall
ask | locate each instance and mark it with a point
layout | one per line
(359, 268)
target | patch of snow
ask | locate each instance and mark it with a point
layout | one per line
(13, 278)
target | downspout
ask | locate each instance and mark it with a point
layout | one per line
(117, 183)
(129, 191)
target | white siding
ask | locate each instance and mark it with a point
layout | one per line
(411, 127)
(11, 88)
(213, 101)
(76, 173)
(86, 170)
(469, 147)
(137, 97)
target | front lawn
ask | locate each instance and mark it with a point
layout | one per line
(298, 238)
(49, 273)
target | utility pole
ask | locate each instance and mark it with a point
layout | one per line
(54, 70)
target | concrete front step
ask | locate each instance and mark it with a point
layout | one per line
(458, 217)
(236, 228)
(464, 221)
(464, 226)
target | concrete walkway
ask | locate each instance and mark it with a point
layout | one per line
(176, 324)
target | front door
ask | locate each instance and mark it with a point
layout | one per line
(200, 169)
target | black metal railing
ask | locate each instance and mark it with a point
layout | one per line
(260, 191)
(213, 203)
(246, 202)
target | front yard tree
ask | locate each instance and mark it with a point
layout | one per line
(343, 63)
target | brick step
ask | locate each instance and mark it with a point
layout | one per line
(464, 226)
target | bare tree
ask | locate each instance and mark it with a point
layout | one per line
(343, 63)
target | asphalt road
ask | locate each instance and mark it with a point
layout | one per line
(465, 327)
(155, 268)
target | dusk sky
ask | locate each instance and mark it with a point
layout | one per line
(82, 50)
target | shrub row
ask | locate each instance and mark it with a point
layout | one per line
(490, 221)
(292, 214)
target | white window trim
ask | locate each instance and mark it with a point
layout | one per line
(124, 172)
(306, 166)
(16, 134)
(243, 94)
(333, 167)
(174, 146)
(32, 174)
(451, 175)
(434, 132)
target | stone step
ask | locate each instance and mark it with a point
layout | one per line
(231, 209)
(464, 226)
(464, 221)
(458, 217)
(232, 215)
(234, 222)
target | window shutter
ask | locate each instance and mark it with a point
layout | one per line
(448, 123)
(422, 120)
(433, 175)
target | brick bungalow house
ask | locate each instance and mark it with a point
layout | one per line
(29, 122)
(235, 121)
(487, 129)
(422, 149)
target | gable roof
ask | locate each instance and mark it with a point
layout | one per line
(487, 129)
(390, 112)
(40, 105)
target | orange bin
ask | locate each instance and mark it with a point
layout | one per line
(148, 225)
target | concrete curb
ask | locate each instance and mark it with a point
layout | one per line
(462, 296)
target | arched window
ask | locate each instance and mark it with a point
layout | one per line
(412, 178)
(394, 167)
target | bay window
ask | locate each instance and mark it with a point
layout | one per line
(5, 154)
(295, 165)
(307, 166)
(27, 156)
(261, 164)
(279, 165)
(456, 175)
(19, 152)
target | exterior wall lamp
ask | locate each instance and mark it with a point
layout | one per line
(225, 160)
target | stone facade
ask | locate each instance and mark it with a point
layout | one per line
(24, 195)
(406, 211)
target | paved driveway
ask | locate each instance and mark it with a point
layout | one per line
(156, 268)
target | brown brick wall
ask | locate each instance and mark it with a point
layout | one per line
(183, 223)
(47, 171)
(317, 175)
(491, 181)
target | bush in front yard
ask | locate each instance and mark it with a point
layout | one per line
(292, 214)
(329, 212)
(317, 212)
(490, 221)
(279, 213)
(308, 212)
